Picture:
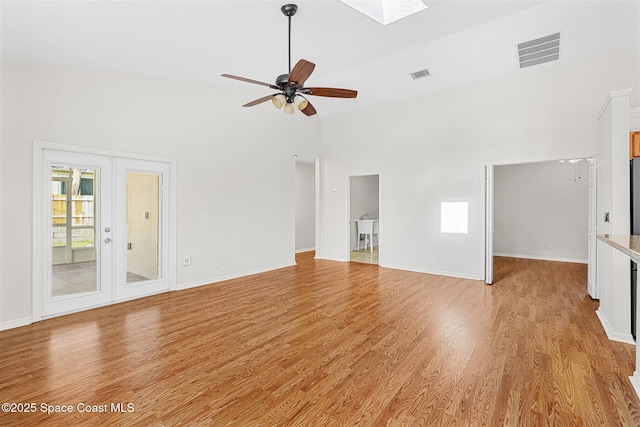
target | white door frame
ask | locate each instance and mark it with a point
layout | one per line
(318, 225)
(592, 275)
(489, 205)
(38, 250)
(348, 213)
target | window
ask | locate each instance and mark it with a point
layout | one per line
(454, 217)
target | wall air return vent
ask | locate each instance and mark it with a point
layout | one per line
(539, 51)
(420, 74)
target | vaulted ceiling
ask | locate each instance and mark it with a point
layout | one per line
(457, 41)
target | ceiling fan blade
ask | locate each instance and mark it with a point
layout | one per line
(331, 92)
(309, 110)
(301, 72)
(259, 100)
(244, 79)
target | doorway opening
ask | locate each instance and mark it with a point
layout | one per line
(540, 210)
(364, 219)
(305, 207)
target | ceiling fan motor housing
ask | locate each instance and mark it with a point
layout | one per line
(282, 80)
(289, 9)
(288, 89)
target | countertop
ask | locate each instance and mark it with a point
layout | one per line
(630, 245)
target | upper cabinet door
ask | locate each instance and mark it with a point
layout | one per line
(634, 144)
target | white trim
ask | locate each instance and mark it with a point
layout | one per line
(613, 94)
(543, 258)
(434, 272)
(347, 246)
(542, 159)
(99, 151)
(37, 251)
(318, 228)
(613, 336)
(298, 251)
(488, 221)
(635, 382)
(15, 323)
(226, 277)
(336, 259)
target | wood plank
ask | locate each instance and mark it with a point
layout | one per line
(329, 343)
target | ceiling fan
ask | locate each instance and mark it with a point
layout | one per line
(290, 87)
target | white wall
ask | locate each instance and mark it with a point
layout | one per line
(365, 199)
(305, 207)
(233, 163)
(537, 204)
(432, 148)
(614, 197)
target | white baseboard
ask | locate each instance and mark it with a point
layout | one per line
(15, 323)
(305, 250)
(635, 382)
(613, 336)
(332, 258)
(436, 272)
(188, 285)
(542, 258)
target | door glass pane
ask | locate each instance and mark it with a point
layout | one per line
(143, 209)
(73, 229)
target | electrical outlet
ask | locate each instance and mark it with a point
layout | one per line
(222, 270)
(186, 261)
(549, 245)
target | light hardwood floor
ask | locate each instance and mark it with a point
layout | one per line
(327, 343)
(365, 255)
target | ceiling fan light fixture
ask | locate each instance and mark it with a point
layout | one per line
(288, 108)
(278, 101)
(300, 102)
(290, 87)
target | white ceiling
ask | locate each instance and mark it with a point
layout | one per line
(458, 41)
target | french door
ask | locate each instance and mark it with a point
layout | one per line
(106, 230)
(142, 252)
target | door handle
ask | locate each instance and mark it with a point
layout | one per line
(107, 240)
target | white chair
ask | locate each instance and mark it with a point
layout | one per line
(365, 226)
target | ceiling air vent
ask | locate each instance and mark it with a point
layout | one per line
(420, 74)
(539, 51)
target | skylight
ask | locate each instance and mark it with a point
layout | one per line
(386, 11)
